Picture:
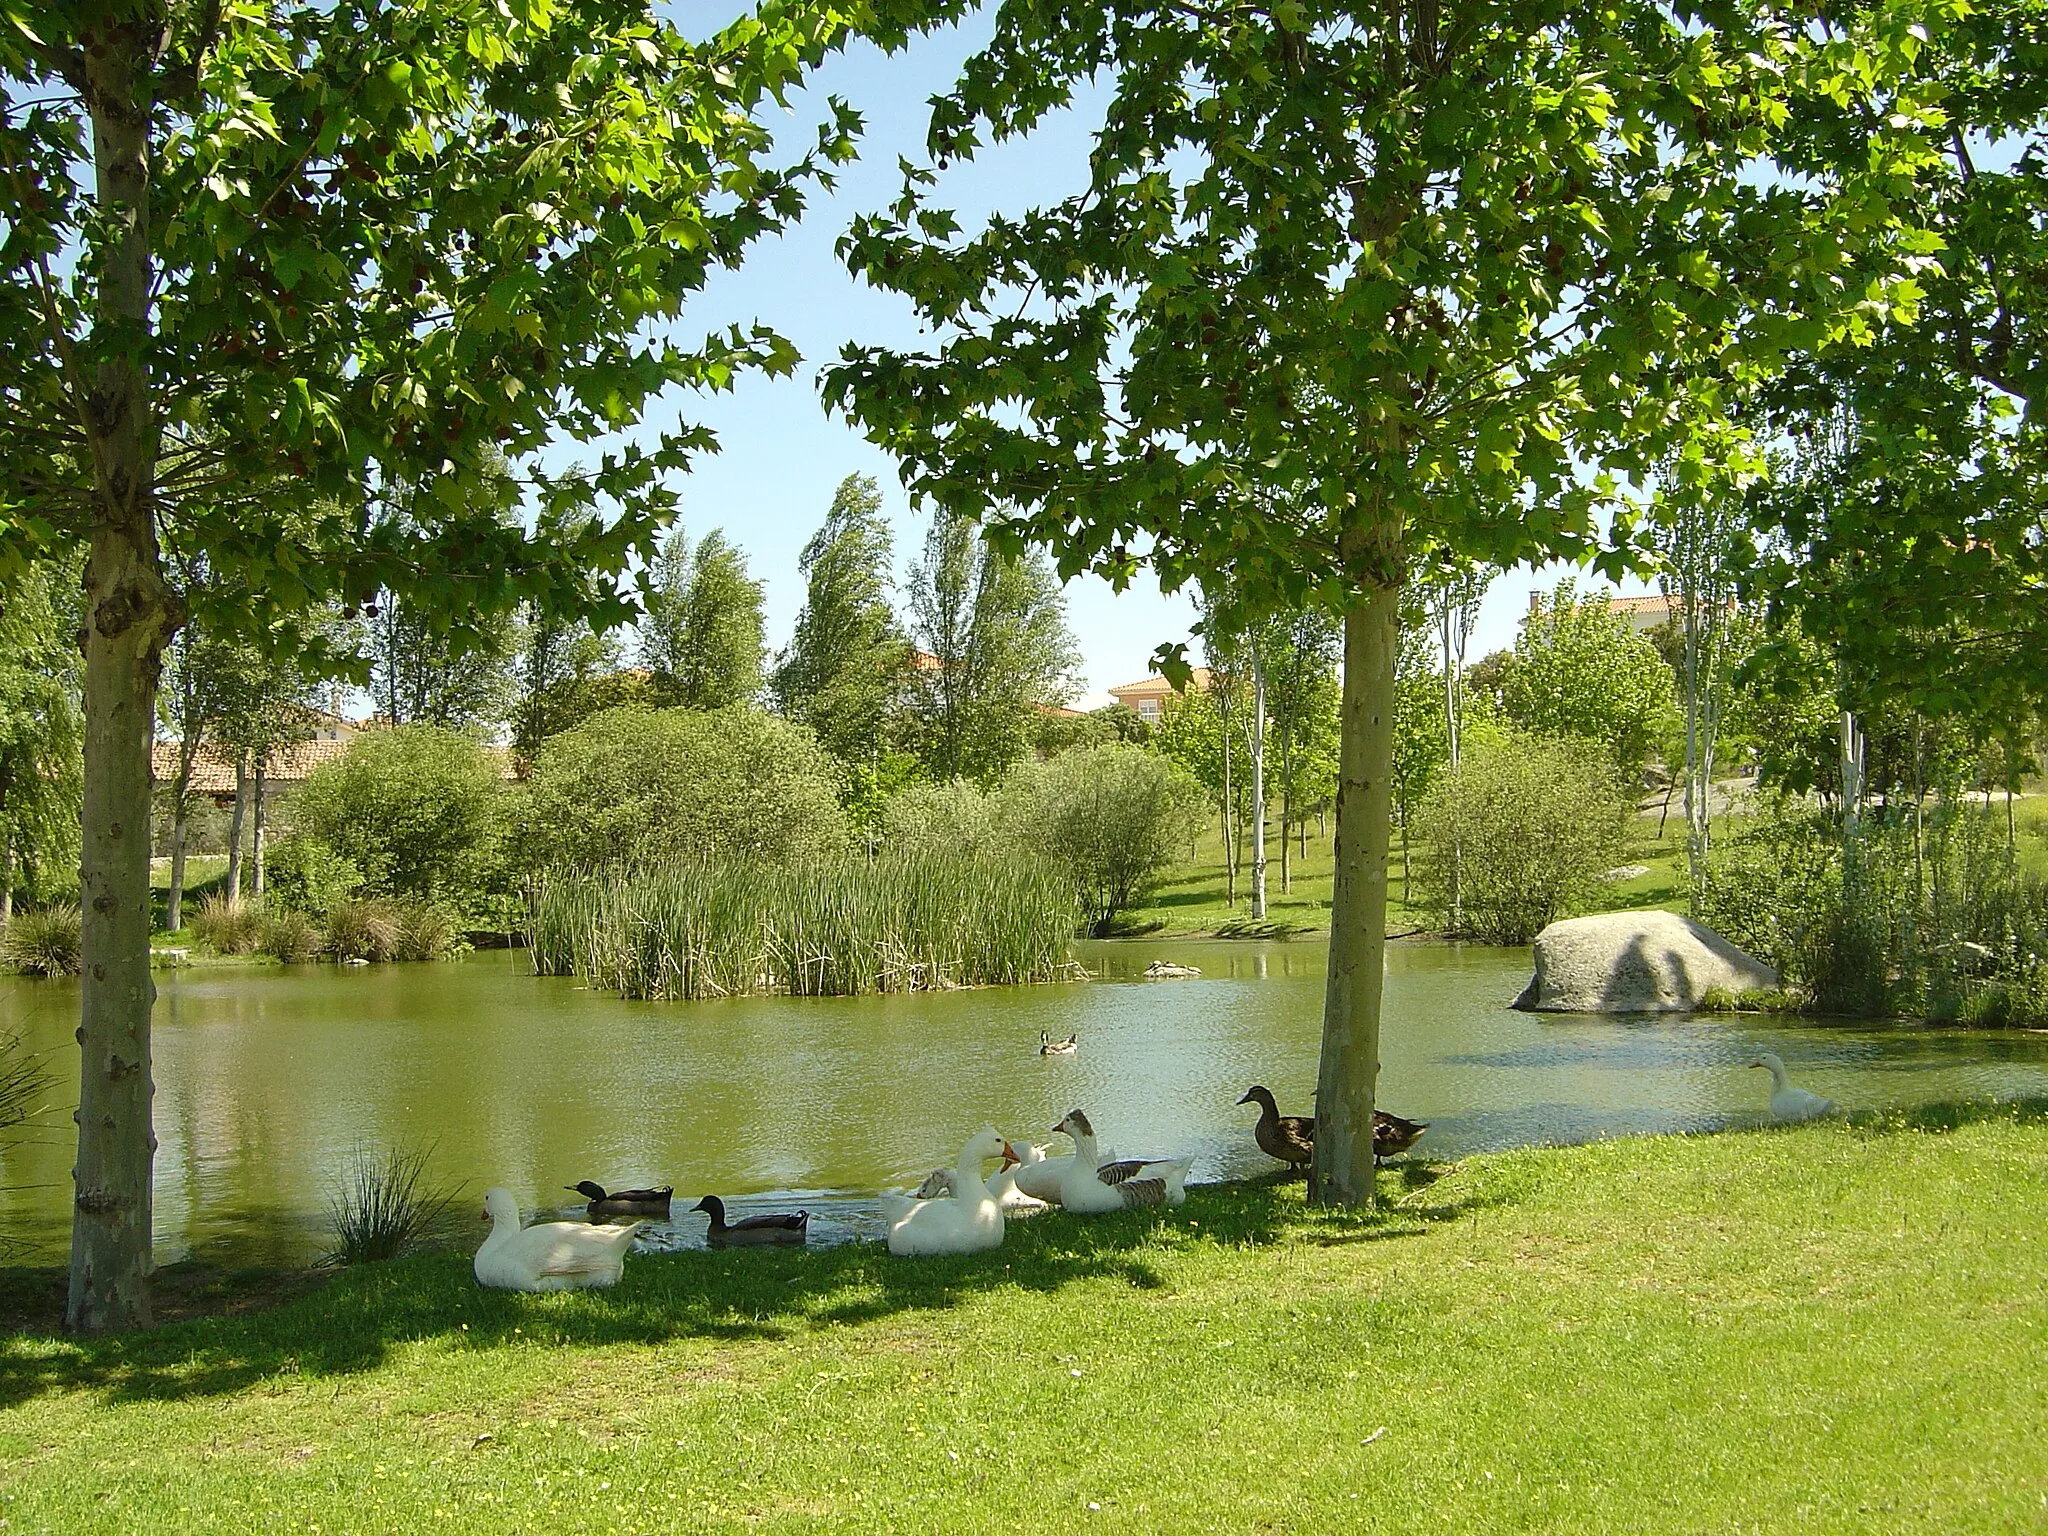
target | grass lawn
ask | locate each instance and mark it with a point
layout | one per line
(1832, 1328)
(1191, 897)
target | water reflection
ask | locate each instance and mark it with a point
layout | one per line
(268, 1081)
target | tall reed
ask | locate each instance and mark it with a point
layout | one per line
(383, 1208)
(906, 922)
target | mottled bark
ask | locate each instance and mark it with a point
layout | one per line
(1342, 1172)
(130, 613)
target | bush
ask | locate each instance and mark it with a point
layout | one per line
(227, 927)
(957, 817)
(425, 932)
(304, 874)
(1110, 816)
(1528, 826)
(383, 1209)
(288, 936)
(43, 943)
(366, 928)
(418, 811)
(638, 785)
(1944, 925)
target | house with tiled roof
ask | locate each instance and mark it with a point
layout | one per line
(1147, 697)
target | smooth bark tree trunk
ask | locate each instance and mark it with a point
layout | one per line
(1258, 766)
(1229, 824)
(174, 897)
(1342, 1171)
(256, 830)
(1286, 809)
(6, 876)
(130, 614)
(235, 819)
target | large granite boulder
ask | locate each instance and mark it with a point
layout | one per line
(1636, 962)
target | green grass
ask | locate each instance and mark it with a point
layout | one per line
(1191, 897)
(1833, 1328)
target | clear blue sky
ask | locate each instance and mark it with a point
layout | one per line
(783, 454)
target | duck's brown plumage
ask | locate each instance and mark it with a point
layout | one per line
(1291, 1138)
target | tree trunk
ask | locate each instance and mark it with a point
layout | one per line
(1229, 826)
(6, 875)
(174, 897)
(235, 830)
(1286, 809)
(1258, 766)
(130, 614)
(1852, 781)
(1342, 1172)
(256, 829)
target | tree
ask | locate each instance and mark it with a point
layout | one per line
(1350, 286)
(567, 671)
(1111, 816)
(1302, 665)
(843, 672)
(633, 785)
(702, 635)
(418, 811)
(341, 247)
(40, 736)
(1580, 670)
(423, 673)
(995, 631)
(1532, 823)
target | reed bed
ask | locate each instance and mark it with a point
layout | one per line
(906, 922)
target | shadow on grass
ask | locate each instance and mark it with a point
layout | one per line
(352, 1322)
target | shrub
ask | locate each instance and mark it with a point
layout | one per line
(227, 927)
(43, 943)
(957, 817)
(383, 1209)
(1526, 826)
(425, 932)
(367, 928)
(418, 811)
(304, 874)
(289, 936)
(1110, 816)
(637, 785)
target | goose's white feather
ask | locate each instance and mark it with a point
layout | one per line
(967, 1221)
(550, 1256)
(1787, 1102)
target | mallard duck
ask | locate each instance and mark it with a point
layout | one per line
(1787, 1102)
(772, 1230)
(1291, 1138)
(550, 1256)
(1091, 1188)
(967, 1221)
(1047, 1046)
(624, 1202)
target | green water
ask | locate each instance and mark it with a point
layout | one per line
(269, 1081)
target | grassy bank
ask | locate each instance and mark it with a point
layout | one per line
(1832, 1328)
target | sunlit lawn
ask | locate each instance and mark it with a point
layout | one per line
(1833, 1328)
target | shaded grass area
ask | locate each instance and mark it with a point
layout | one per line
(1836, 1327)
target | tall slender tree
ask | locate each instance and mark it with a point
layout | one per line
(357, 245)
(1350, 286)
(702, 637)
(40, 720)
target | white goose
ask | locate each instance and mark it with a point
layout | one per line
(1787, 1102)
(967, 1221)
(1092, 1188)
(552, 1256)
(1037, 1176)
(1002, 1184)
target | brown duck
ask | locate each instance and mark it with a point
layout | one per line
(1291, 1138)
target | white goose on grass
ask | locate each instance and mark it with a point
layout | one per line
(1002, 1184)
(1787, 1102)
(1092, 1188)
(967, 1221)
(550, 1256)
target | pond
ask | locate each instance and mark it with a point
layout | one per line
(270, 1081)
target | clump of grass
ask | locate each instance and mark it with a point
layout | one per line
(291, 937)
(44, 943)
(228, 927)
(907, 922)
(383, 1208)
(367, 928)
(425, 932)
(22, 1080)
